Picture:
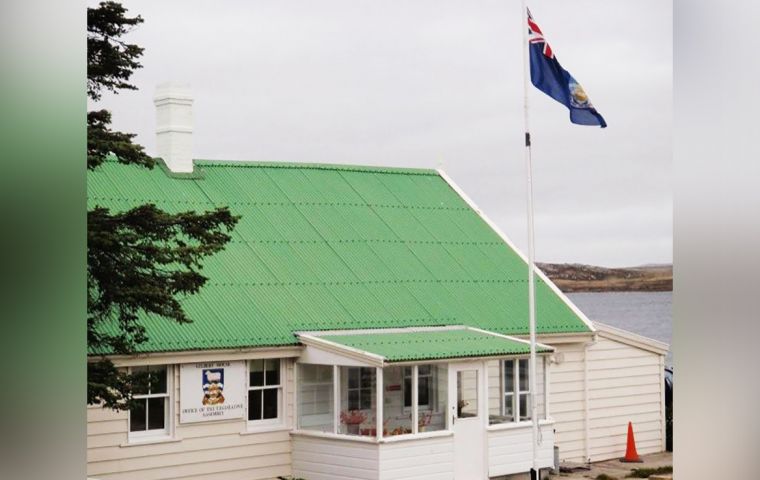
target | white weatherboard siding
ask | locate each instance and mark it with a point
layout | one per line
(509, 450)
(625, 384)
(316, 458)
(424, 459)
(566, 401)
(208, 451)
(319, 458)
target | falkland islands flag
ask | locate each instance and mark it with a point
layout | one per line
(548, 76)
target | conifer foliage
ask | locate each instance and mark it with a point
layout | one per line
(140, 262)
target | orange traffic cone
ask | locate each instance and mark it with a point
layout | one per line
(630, 450)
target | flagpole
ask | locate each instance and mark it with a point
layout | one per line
(531, 246)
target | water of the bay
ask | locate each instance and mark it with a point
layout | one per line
(647, 313)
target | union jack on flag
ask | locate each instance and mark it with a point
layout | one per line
(535, 35)
(548, 76)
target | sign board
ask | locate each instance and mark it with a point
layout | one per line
(211, 391)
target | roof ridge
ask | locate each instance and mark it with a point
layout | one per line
(316, 166)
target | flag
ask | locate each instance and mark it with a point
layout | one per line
(547, 75)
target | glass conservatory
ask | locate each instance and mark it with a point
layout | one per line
(431, 399)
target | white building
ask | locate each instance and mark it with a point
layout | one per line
(363, 323)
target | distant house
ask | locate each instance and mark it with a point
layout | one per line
(363, 323)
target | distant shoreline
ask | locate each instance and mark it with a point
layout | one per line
(574, 277)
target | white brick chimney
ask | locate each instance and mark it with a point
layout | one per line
(174, 126)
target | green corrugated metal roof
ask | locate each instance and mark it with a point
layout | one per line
(432, 345)
(325, 247)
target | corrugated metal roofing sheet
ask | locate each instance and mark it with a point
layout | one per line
(432, 344)
(324, 247)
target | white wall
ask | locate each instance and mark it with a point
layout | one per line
(566, 401)
(624, 384)
(424, 459)
(208, 451)
(334, 459)
(509, 450)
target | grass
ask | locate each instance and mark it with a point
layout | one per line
(604, 476)
(646, 472)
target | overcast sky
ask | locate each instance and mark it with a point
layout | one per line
(435, 84)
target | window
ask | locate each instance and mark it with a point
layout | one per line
(360, 391)
(315, 398)
(523, 391)
(467, 393)
(264, 390)
(517, 390)
(425, 384)
(149, 414)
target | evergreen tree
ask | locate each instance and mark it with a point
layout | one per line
(141, 261)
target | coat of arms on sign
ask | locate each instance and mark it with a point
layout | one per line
(213, 386)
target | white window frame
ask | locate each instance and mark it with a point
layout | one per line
(168, 429)
(265, 422)
(514, 363)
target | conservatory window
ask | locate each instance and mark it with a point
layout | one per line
(315, 398)
(358, 410)
(425, 385)
(432, 396)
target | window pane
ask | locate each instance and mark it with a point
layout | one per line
(315, 397)
(157, 378)
(509, 376)
(254, 404)
(424, 369)
(407, 392)
(256, 373)
(524, 370)
(137, 416)
(423, 390)
(467, 393)
(353, 399)
(432, 417)
(139, 380)
(396, 421)
(357, 404)
(270, 402)
(509, 407)
(156, 413)
(366, 398)
(368, 374)
(272, 371)
(524, 406)
(353, 378)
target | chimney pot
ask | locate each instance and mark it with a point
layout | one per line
(174, 126)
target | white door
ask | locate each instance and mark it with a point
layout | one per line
(468, 416)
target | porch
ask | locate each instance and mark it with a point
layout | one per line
(435, 402)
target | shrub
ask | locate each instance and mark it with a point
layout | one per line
(646, 472)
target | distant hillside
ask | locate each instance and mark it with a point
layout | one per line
(574, 277)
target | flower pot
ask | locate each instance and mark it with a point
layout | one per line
(352, 428)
